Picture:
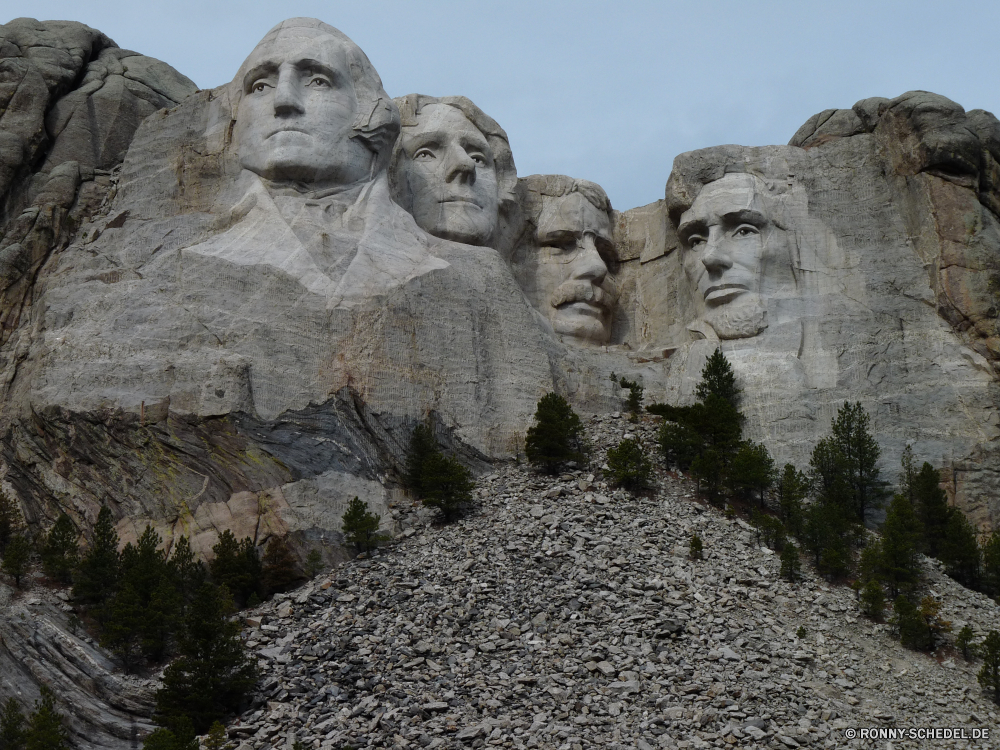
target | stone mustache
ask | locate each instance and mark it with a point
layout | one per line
(264, 289)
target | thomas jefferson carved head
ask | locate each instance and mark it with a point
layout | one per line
(566, 271)
(452, 168)
(735, 253)
(310, 109)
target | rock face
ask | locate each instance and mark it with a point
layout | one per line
(857, 264)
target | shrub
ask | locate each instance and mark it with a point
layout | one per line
(910, 625)
(361, 526)
(314, 562)
(790, 566)
(873, 600)
(696, 548)
(628, 465)
(770, 531)
(930, 611)
(989, 675)
(556, 436)
(800, 632)
(59, 550)
(634, 400)
(965, 644)
(447, 485)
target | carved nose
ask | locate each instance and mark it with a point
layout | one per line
(589, 264)
(716, 259)
(460, 166)
(287, 97)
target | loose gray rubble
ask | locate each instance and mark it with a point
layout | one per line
(566, 614)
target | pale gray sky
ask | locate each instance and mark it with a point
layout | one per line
(606, 91)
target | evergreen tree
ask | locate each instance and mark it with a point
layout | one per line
(991, 563)
(12, 726)
(964, 642)
(556, 436)
(910, 625)
(679, 443)
(873, 600)
(792, 490)
(281, 569)
(709, 469)
(97, 573)
(827, 535)
(718, 378)
(11, 520)
(217, 738)
(122, 631)
(899, 564)
(959, 550)
(314, 563)
(214, 673)
(931, 505)
(791, 568)
(989, 675)
(237, 566)
(360, 525)
(628, 465)
(59, 550)
(447, 485)
(859, 454)
(752, 471)
(422, 445)
(45, 726)
(930, 611)
(634, 400)
(696, 549)
(770, 531)
(17, 557)
(181, 738)
(186, 573)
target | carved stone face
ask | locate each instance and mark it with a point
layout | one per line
(297, 110)
(450, 176)
(572, 282)
(730, 246)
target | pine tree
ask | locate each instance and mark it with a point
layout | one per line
(60, 550)
(989, 675)
(899, 564)
(182, 737)
(873, 600)
(679, 443)
(696, 548)
(214, 673)
(237, 566)
(911, 626)
(859, 454)
(422, 445)
(97, 573)
(124, 622)
(11, 520)
(556, 436)
(959, 550)
(930, 611)
(360, 526)
(45, 726)
(718, 378)
(628, 465)
(281, 569)
(752, 471)
(12, 726)
(991, 563)
(931, 505)
(17, 557)
(217, 738)
(447, 485)
(186, 573)
(792, 490)
(314, 563)
(964, 642)
(791, 568)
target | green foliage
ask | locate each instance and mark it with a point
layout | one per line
(959, 550)
(557, 435)
(237, 566)
(718, 378)
(17, 557)
(845, 464)
(314, 563)
(181, 738)
(628, 465)
(800, 632)
(124, 622)
(214, 674)
(752, 471)
(989, 675)
(59, 551)
(422, 446)
(792, 490)
(827, 534)
(361, 526)
(11, 520)
(898, 564)
(97, 573)
(911, 627)
(964, 642)
(931, 505)
(680, 444)
(930, 611)
(770, 531)
(185, 571)
(13, 729)
(634, 400)
(217, 738)
(281, 569)
(873, 600)
(991, 563)
(45, 729)
(791, 568)
(447, 485)
(696, 548)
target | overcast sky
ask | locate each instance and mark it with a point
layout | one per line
(606, 91)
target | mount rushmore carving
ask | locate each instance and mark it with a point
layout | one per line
(232, 313)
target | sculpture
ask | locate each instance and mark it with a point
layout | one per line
(452, 168)
(564, 262)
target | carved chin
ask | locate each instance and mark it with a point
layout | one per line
(742, 318)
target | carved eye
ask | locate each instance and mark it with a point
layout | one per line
(746, 230)
(321, 83)
(695, 240)
(478, 158)
(257, 87)
(424, 153)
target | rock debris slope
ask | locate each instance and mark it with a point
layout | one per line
(563, 614)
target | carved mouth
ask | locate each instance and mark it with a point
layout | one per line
(720, 293)
(287, 130)
(582, 307)
(459, 199)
